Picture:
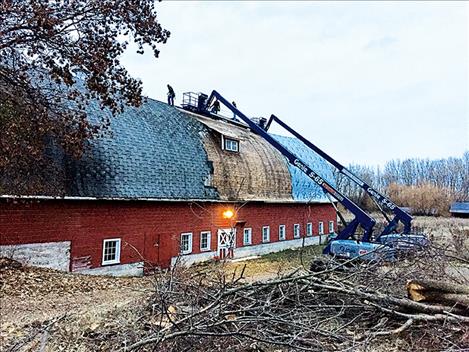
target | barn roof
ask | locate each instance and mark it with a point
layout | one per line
(302, 186)
(161, 152)
(460, 208)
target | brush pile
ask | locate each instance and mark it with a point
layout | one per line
(345, 305)
(337, 306)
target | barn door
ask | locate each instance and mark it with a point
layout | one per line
(226, 243)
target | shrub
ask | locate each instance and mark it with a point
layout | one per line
(424, 199)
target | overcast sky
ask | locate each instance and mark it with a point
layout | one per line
(365, 81)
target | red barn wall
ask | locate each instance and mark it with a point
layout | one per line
(149, 231)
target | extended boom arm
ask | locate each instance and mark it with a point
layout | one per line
(380, 200)
(361, 218)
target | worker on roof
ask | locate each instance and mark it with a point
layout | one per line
(171, 95)
(216, 106)
(234, 114)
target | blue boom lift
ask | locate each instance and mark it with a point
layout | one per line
(342, 245)
(390, 234)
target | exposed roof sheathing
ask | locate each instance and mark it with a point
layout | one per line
(256, 172)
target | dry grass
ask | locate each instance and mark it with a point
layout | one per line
(424, 199)
(269, 265)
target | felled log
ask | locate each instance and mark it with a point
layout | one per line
(438, 292)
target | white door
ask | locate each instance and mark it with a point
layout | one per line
(226, 243)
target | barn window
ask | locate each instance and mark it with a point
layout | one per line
(309, 229)
(247, 237)
(230, 144)
(296, 230)
(265, 234)
(111, 251)
(331, 226)
(281, 233)
(321, 228)
(186, 243)
(205, 241)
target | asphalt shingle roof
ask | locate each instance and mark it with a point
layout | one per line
(153, 151)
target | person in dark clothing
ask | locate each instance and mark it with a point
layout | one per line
(234, 104)
(171, 95)
(216, 106)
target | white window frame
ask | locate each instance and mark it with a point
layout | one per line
(248, 231)
(189, 250)
(117, 258)
(268, 234)
(284, 236)
(331, 226)
(232, 142)
(321, 228)
(309, 229)
(209, 236)
(295, 235)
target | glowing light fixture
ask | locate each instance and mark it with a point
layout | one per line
(228, 214)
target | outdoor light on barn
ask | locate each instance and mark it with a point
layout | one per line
(228, 214)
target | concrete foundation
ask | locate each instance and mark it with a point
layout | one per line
(54, 255)
(133, 269)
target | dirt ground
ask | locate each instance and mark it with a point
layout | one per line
(31, 298)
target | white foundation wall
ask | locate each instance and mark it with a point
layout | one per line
(53, 255)
(133, 269)
(190, 259)
(251, 251)
(266, 248)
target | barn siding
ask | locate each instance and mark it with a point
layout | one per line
(149, 230)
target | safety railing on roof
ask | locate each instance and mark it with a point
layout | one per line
(190, 101)
(196, 102)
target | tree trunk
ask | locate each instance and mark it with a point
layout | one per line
(438, 292)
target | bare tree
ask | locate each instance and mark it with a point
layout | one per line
(58, 60)
(449, 178)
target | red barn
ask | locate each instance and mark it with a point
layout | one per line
(166, 184)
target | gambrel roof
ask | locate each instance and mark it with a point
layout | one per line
(158, 151)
